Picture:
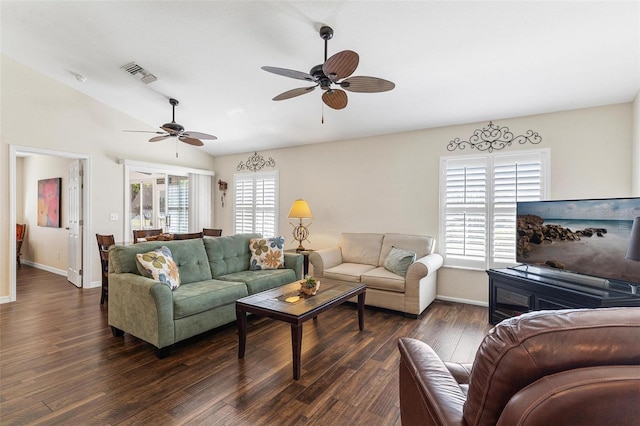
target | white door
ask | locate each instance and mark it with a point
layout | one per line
(74, 258)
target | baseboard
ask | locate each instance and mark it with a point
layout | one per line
(91, 284)
(45, 268)
(5, 299)
(460, 300)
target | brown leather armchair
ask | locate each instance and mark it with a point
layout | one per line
(567, 367)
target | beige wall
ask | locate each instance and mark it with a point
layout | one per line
(390, 183)
(378, 184)
(44, 246)
(635, 167)
(42, 113)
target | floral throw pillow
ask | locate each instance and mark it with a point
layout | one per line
(266, 253)
(160, 266)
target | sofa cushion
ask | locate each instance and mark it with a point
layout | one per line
(350, 272)
(398, 261)
(159, 265)
(262, 280)
(419, 244)
(228, 254)
(266, 253)
(193, 298)
(383, 279)
(189, 255)
(361, 248)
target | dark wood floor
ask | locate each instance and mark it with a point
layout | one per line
(59, 364)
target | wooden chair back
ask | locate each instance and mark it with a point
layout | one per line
(209, 232)
(189, 236)
(143, 233)
(21, 230)
(104, 242)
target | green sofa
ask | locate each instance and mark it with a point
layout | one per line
(214, 273)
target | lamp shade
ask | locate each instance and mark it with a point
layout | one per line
(300, 210)
(633, 252)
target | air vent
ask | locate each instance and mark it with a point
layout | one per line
(140, 73)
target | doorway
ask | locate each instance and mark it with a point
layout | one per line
(16, 151)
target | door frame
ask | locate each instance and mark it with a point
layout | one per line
(14, 150)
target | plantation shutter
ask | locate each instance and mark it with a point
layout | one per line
(256, 201)
(178, 204)
(478, 205)
(515, 178)
(465, 218)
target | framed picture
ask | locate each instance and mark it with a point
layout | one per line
(49, 202)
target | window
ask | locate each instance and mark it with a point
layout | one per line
(478, 197)
(178, 204)
(256, 202)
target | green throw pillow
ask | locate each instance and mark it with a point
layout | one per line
(160, 266)
(399, 260)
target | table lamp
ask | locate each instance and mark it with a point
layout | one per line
(300, 210)
(633, 252)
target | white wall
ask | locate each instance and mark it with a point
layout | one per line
(390, 183)
(42, 113)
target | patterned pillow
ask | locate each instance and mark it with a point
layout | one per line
(160, 266)
(398, 261)
(266, 253)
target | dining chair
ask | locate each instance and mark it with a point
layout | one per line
(104, 242)
(143, 233)
(21, 230)
(188, 236)
(209, 232)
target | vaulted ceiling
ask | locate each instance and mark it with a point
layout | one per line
(452, 61)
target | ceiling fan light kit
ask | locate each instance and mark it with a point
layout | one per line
(328, 75)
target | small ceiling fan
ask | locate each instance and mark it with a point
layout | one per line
(174, 129)
(333, 72)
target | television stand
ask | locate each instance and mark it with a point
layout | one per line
(513, 292)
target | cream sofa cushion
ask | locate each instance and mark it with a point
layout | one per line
(361, 248)
(383, 279)
(350, 272)
(418, 244)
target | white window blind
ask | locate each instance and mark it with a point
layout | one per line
(256, 202)
(178, 204)
(478, 205)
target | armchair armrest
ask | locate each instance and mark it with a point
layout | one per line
(424, 266)
(325, 259)
(429, 394)
(592, 395)
(142, 307)
(294, 261)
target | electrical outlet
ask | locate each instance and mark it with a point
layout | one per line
(113, 216)
(58, 255)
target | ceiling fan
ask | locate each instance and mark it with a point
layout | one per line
(335, 71)
(174, 129)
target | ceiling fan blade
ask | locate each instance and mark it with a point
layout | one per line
(293, 93)
(172, 132)
(143, 131)
(341, 65)
(289, 73)
(199, 135)
(335, 98)
(159, 138)
(191, 141)
(366, 84)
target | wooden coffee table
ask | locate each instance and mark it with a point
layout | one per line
(273, 304)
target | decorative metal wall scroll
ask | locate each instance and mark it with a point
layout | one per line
(493, 137)
(255, 163)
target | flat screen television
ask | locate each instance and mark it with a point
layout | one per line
(586, 237)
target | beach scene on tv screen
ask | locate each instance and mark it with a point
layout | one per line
(589, 237)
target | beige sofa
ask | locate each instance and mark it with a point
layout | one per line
(360, 257)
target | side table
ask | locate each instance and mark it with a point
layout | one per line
(305, 262)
